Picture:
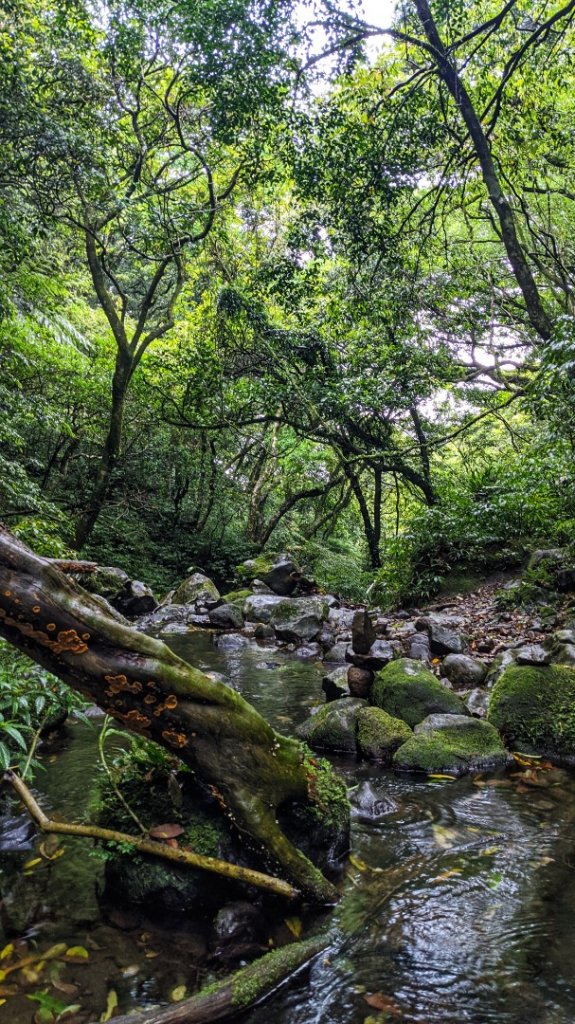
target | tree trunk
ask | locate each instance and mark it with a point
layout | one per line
(120, 383)
(151, 691)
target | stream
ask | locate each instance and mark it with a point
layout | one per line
(459, 900)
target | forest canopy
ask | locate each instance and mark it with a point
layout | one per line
(274, 277)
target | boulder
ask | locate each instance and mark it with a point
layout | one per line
(182, 614)
(263, 631)
(197, 589)
(299, 618)
(362, 632)
(336, 654)
(378, 656)
(341, 619)
(451, 744)
(236, 596)
(532, 706)
(334, 685)
(333, 727)
(477, 702)
(407, 690)
(106, 580)
(259, 607)
(370, 802)
(532, 654)
(444, 640)
(226, 616)
(379, 735)
(135, 599)
(463, 671)
(419, 648)
(281, 574)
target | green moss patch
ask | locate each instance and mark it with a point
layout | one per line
(452, 744)
(379, 734)
(534, 709)
(407, 690)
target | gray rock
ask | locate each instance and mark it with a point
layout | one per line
(362, 632)
(463, 671)
(565, 636)
(336, 654)
(552, 555)
(334, 685)
(168, 614)
(308, 651)
(106, 580)
(231, 642)
(197, 589)
(424, 622)
(259, 587)
(259, 607)
(443, 640)
(532, 654)
(341, 619)
(333, 727)
(263, 632)
(501, 662)
(370, 803)
(135, 599)
(565, 655)
(419, 647)
(226, 616)
(477, 702)
(299, 618)
(378, 656)
(238, 922)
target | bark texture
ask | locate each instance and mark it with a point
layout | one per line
(150, 690)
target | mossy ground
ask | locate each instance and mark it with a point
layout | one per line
(534, 709)
(407, 690)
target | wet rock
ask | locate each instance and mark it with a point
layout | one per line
(341, 619)
(334, 685)
(463, 671)
(378, 656)
(477, 702)
(226, 616)
(236, 597)
(134, 599)
(565, 636)
(16, 834)
(369, 803)
(359, 681)
(333, 727)
(532, 706)
(263, 631)
(443, 640)
(259, 587)
(336, 654)
(425, 622)
(532, 654)
(238, 922)
(503, 660)
(326, 639)
(308, 651)
(407, 690)
(362, 632)
(379, 735)
(231, 642)
(299, 618)
(454, 744)
(197, 589)
(181, 614)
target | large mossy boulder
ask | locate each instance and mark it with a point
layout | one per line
(197, 589)
(407, 690)
(259, 607)
(452, 744)
(333, 727)
(379, 735)
(534, 709)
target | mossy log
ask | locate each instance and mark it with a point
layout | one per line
(138, 680)
(236, 993)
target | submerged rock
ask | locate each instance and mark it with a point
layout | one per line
(454, 744)
(379, 735)
(407, 690)
(533, 708)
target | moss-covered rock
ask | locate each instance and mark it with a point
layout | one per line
(299, 618)
(379, 735)
(453, 744)
(236, 597)
(333, 727)
(534, 709)
(320, 830)
(407, 690)
(197, 589)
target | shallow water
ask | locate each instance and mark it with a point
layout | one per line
(459, 902)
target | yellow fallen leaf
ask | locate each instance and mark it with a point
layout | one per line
(77, 953)
(446, 875)
(3, 975)
(358, 863)
(111, 1005)
(7, 951)
(2, 1001)
(178, 993)
(55, 951)
(490, 851)
(32, 863)
(447, 778)
(294, 925)
(151, 954)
